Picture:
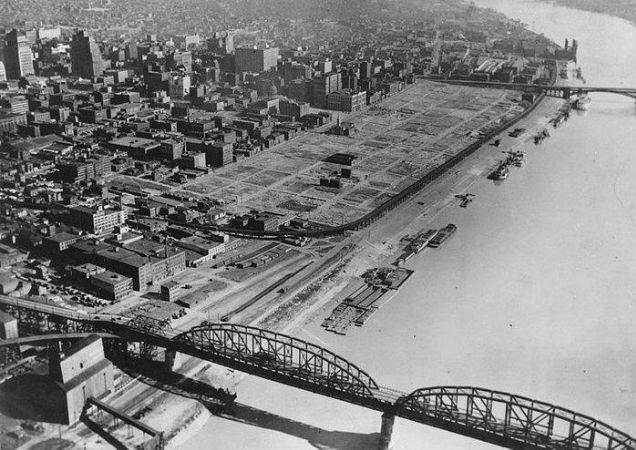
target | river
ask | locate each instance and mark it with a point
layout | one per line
(535, 294)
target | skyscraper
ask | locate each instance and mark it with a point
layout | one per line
(256, 59)
(86, 59)
(18, 59)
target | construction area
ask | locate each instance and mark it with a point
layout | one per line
(394, 144)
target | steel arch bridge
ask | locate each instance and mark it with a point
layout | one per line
(496, 417)
(550, 90)
(279, 357)
(509, 420)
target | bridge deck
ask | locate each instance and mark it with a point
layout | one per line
(497, 417)
(52, 337)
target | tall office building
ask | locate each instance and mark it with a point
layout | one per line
(323, 86)
(86, 59)
(256, 59)
(18, 59)
(365, 70)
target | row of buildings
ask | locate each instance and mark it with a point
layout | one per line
(17, 56)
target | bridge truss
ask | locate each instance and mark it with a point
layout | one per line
(496, 417)
(550, 90)
(509, 420)
(282, 357)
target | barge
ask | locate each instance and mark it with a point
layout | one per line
(442, 235)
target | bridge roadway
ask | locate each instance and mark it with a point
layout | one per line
(565, 91)
(496, 417)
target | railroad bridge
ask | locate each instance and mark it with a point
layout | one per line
(549, 90)
(496, 417)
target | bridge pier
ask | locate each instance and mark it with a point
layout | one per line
(172, 360)
(386, 430)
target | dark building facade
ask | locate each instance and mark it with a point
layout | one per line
(86, 59)
(18, 59)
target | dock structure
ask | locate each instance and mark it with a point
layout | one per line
(354, 310)
(363, 303)
(155, 439)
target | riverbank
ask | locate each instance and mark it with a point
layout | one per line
(382, 245)
(187, 419)
(535, 287)
(379, 244)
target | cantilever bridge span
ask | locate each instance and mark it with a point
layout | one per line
(499, 418)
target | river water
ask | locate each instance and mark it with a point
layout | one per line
(535, 294)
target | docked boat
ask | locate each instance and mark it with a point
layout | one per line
(517, 159)
(465, 199)
(517, 132)
(541, 135)
(501, 173)
(582, 103)
(422, 240)
(442, 235)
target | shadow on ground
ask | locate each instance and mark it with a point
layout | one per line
(32, 397)
(103, 433)
(216, 400)
(317, 437)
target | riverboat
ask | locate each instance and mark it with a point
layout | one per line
(501, 173)
(517, 132)
(582, 103)
(422, 240)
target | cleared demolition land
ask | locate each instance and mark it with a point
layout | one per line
(394, 144)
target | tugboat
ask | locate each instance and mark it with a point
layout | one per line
(501, 173)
